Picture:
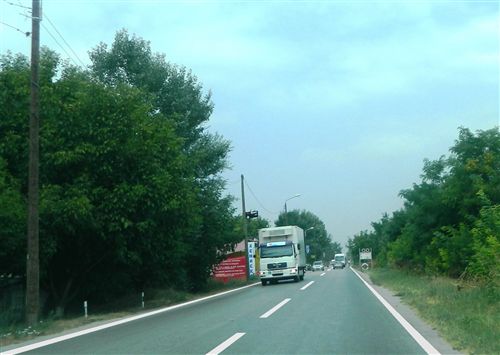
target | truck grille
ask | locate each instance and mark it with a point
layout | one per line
(273, 266)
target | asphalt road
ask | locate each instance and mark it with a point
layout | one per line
(336, 314)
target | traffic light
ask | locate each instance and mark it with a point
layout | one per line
(252, 214)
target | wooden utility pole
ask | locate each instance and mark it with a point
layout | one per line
(245, 227)
(32, 262)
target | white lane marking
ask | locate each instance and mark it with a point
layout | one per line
(112, 324)
(306, 286)
(323, 274)
(223, 346)
(424, 343)
(275, 308)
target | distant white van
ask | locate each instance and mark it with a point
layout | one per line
(339, 261)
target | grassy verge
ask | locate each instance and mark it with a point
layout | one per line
(467, 315)
(121, 308)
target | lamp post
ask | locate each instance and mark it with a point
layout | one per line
(286, 219)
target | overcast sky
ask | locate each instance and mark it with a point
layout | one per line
(339, 101)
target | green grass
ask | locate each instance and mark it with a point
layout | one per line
(466, 314)
(120, 308)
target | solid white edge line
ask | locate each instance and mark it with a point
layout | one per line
(275, 308)
(115, 323)
(223, 346)
(424, 343)
(306, 286)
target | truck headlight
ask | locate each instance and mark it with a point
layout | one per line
(293, 271)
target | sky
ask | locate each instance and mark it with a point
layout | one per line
(338, 101)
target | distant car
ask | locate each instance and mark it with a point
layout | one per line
(318, 266)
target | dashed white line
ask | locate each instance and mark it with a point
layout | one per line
(275, 308)
(424, 344)
(114, 323)
(323, 274)
(223, 346)
(306, 286)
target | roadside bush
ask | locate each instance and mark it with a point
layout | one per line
(485, 264)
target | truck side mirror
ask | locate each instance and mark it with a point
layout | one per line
(298, 246)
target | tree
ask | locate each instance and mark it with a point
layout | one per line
(320, 243)
(485, 262)
(12, 225)
(176, 94)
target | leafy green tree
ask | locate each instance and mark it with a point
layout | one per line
(12, 224)
(255, 224)
(176, 95)
(320, 243)
(485, 263)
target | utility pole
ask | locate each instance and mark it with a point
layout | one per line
(245, 227)
(32, 257)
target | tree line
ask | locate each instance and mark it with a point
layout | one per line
(131, 193)
(450, 221)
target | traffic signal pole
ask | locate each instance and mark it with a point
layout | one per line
(245, 227)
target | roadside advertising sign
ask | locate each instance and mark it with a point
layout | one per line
(231, 268)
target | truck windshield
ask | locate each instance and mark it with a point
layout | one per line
(339, 258)
(276, 251)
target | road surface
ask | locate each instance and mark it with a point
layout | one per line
(331, 312)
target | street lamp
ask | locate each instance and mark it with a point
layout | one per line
(286, 219)
(297, 195)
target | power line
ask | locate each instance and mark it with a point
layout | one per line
(67, 44)
(233, 182)
(48, 31)
(55, 40)
(15, 28)
(258, 201)
(18, 5)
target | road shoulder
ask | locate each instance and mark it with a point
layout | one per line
(426, 330)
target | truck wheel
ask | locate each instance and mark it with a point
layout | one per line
(264, 282)
(301, 277)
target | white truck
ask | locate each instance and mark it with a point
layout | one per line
(282, 254)
(338, 261)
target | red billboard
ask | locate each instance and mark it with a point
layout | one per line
(231, 268)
